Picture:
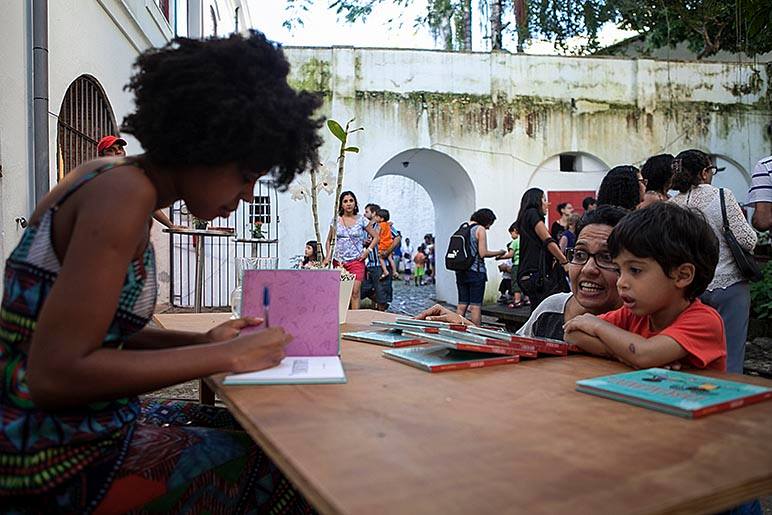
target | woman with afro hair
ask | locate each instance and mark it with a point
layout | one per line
(213, 116)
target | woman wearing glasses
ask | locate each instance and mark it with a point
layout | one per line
(729, 292)
(592, 274)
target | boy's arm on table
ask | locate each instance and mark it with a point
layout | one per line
(630, 348)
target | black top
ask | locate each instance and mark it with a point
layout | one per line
(549, 325)
(556, 230)
(531, 247)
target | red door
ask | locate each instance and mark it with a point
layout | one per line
(574, 198)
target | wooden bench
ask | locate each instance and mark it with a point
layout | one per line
(512, 318)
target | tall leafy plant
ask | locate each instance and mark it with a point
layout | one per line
(342, 134)
(761, 294)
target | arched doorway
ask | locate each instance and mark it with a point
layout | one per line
(731, 176)
(84, 117)
(452, 193)
(568, 177)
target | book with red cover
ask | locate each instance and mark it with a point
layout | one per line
(522, 350)
(543, 345)
(430, 323)
(438, 358)
(676, 393)
(394, 326)
(465, 345)
(385, 338)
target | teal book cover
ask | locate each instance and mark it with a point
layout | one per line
(438, 358)
(677, 393)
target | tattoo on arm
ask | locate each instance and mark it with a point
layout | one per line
(632, 348)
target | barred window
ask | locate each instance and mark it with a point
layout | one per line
(84, 117)
(260, 209)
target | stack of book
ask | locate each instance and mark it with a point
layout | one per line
(440, 346)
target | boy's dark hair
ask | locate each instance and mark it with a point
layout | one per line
(383, 213)
(603, 215)
(340, 202)
(687, 167)
(658, 171)
(620, 188)
(587, 202)
(223, 100)
(513, 227)
(372, 207)
(672, 236)
(483, 216)
(561, 207)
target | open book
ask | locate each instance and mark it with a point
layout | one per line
(305, 304)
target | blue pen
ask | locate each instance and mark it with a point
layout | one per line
(266, 304)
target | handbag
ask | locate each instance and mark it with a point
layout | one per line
(745, 262)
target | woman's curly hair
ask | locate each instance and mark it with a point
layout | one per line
(218, 101)
(620, 188)
(658, 172)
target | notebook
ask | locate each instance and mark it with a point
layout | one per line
(305, 304)
(677, 393)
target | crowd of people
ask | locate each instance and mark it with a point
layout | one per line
(369, 247)
(651, 286)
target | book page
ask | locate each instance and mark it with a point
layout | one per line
(295, 370)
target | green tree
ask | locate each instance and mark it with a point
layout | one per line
(707, 26)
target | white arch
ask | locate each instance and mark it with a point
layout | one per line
(588, 175)
(452, 193)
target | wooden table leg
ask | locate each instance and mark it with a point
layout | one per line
(205, 394)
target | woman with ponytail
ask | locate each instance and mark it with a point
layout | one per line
(728, 292)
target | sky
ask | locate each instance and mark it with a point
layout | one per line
(322, 28)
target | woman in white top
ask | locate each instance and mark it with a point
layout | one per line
(729, 292)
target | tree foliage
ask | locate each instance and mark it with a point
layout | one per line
(707, 26)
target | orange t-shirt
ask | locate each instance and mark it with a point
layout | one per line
(385, 239)
(698, 329)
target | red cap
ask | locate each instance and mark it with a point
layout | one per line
(109, 141)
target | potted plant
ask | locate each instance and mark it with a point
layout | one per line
(257, 231)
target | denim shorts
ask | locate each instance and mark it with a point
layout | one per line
(471, 287)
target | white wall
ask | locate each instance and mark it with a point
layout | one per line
(503, 118)
(15, 117)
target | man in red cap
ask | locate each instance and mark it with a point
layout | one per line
(112, 146)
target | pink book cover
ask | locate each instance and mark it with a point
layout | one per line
(303, 302)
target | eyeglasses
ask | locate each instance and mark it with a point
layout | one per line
(643, 181)
(713, 170)
(581, 257)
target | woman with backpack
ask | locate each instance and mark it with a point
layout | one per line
(470, 283)
(539, 275)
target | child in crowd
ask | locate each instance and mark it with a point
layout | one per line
(568, 237)
(385, 241)
(420, 263)
(511, 268)
(310, 256)
(407, 261)
(666, 257)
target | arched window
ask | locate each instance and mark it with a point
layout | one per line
(84, 117)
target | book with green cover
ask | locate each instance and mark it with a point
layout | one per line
(438, 358)
(677, 393)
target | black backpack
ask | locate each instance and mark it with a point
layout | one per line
(459, 256)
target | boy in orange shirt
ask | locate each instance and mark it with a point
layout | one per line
(385, 240)
(666, 257)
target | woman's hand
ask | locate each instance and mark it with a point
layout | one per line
(325, 262)
(230, 329)
(439, 313)
(259, 350)
(363, 255)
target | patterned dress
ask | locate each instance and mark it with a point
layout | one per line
(115, 456)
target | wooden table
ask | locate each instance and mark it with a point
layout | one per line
(507, 439)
